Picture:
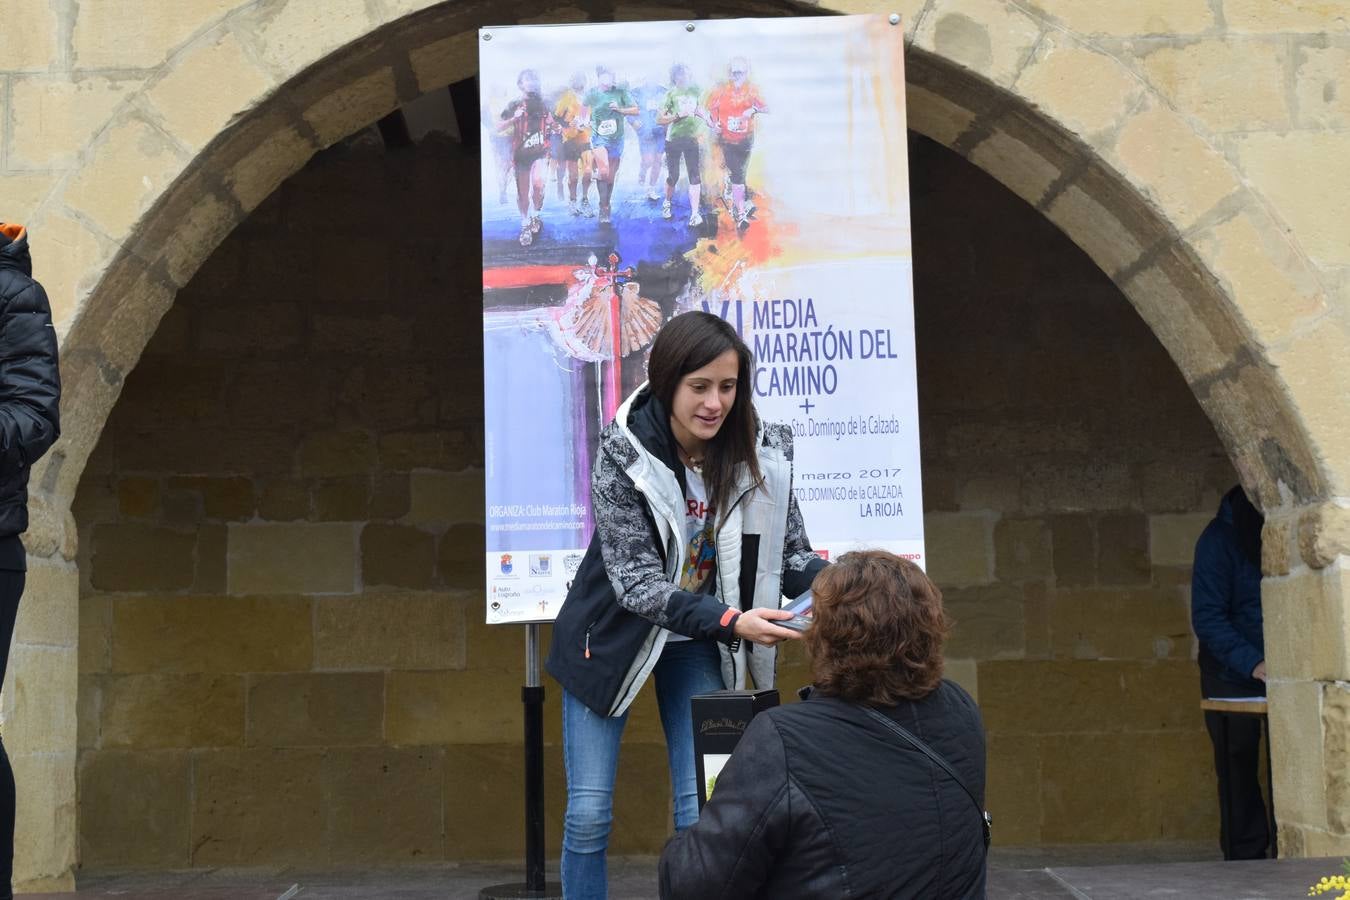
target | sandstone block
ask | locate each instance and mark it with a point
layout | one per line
(1122, 549)
(936, 116)
(1277, 546)
(989, 622)
(1336, 755)
(29, 42)
(104, 39)
(1189, 340)
(1115, 624)
(126, 172)
(134, 808)
(1162, 154)
(1226, 84)
(1307, 632)
(1013, 788)
(45, 842)
(1324, 405)
(212, 555)
(397, 556)
(229, 498)
(42, 687)
(353, 107)
(292, 558)
(297, 35)
(1324, 534)
(999, 493)
(49, 613)
(1171, 538)
(257, 807)
(88, 711)
(1312, 208)
(1088, 91)
(24, 191)
(391, 497)
(207, 88)
(964, 672)
(315, 709)
(1299, 16)
(985, 36)
(1143, 17)
(1272, 287)
(1096, 229)
(151, 712)
(1075, 550)
(138, 496)
(1297, 743)
(276, 154)
(344, 499)
(211, 634)
(132, 557)
(446, 497)
(70, 257)
(460, 556)
(960, 548)
(95, 633)
(488, 794)
(335, 453)
(443, 707)
(1022, 549)
(1050, 487)
(390, 631)
(59, 116)
(283, 501)
(444, 61)
(1062, 697)
(1017, 166)
(384, 803)
(1319, 75)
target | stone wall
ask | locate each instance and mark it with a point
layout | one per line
(282, 655)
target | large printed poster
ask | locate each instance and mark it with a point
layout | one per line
(755, 169)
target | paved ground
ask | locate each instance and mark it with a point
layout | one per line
(1093, 872)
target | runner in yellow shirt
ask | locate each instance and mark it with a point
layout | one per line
(572, 114)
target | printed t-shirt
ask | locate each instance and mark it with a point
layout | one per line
(649, 99)
(682, 101)
(606, 123)
(696, 572)
(529, 139)
(568, 110)
(730, 107)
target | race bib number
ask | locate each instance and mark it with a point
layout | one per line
(738, 124)
(607, 127)
(535, 139)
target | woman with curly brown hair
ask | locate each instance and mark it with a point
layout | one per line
(825, 798)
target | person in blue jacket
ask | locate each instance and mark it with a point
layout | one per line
(1226, 615)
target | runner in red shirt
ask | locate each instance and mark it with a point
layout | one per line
(528, 122)
(733, 105)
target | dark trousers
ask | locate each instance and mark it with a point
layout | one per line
(1243, 826)
(11, 589)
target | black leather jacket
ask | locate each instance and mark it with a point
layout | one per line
(820, 801)
(30, 384)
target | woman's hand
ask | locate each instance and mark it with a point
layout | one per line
(757, 625)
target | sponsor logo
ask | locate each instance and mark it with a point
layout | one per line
(507, 565)
(572, 562)
(541, 565)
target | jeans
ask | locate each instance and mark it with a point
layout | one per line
(591, 757)
(11, 589)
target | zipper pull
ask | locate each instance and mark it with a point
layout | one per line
(588, 643)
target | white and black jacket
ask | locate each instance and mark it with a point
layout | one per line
(609, 633)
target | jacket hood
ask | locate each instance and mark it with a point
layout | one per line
(14, 248)
(648, 421)
(1246, 520)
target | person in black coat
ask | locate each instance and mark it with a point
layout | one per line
(1226, 616)
(30, 389)
(820, 799)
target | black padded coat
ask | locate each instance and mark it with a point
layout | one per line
(821, 801)
(30, 384)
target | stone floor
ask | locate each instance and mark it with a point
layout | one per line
(1091, 872)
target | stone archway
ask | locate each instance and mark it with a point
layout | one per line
(250, 96)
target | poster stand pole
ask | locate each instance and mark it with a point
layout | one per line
(532, 696)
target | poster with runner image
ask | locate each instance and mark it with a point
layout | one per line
(631, 172)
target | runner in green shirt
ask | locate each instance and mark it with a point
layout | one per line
(683, 115)
(609, 105)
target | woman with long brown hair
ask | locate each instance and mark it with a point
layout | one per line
(697, 538)
(872, 787)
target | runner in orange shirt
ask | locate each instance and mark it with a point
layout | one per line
(733, 105)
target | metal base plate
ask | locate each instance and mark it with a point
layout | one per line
(519, 891)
